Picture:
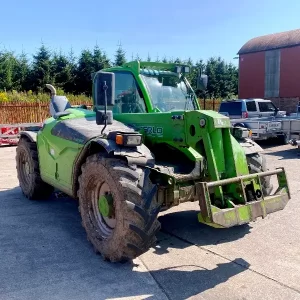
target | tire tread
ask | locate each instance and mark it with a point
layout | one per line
(139, 207)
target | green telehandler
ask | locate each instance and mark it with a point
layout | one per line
(146, 146)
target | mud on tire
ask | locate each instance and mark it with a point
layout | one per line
(130, 230)
(257, 163)
(28, 172)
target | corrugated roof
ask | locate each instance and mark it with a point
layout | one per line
(272, 41)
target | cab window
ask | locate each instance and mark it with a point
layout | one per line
(128, 96)
(251, 106)
(233, 108)
(266, 107)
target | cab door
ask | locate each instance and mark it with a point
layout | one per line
(252, 109)
(128, 95)
(266, 108)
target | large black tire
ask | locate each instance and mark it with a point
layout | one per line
(134, 222)
(257, 163)
(27, 164)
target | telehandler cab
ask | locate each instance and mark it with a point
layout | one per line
(145, 147)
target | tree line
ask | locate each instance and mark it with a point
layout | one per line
(73, 74)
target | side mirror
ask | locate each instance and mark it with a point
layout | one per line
(202, 82)
(104, 118)
(104, 95)
(104, 89)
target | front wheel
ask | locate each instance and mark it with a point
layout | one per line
(257, 163)
(118, 207)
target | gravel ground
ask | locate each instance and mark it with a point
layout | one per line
(45, 255)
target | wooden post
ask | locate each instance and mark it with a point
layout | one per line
(40, 110)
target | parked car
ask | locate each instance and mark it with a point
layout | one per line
(250, 108)
(258, 115)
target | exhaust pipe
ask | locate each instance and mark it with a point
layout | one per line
(52, 89)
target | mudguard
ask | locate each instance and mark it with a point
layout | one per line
(29, 134)
(250, 146)
(139, 155)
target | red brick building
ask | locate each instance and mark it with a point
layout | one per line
(269, 68)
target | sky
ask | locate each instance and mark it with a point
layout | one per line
(189, 28)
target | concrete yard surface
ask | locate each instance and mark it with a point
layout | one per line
(45, 254)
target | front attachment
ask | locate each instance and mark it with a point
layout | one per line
(239, 214)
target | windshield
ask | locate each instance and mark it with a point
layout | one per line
(169, 92)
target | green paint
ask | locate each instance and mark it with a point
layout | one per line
(242, 214)
(105, 205)
(56, 155)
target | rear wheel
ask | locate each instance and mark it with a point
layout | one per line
(283, 139)
(27, 164)
(257, 163)
(118, 208)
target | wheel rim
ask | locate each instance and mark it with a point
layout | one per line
(103, 210)
(25, 169)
